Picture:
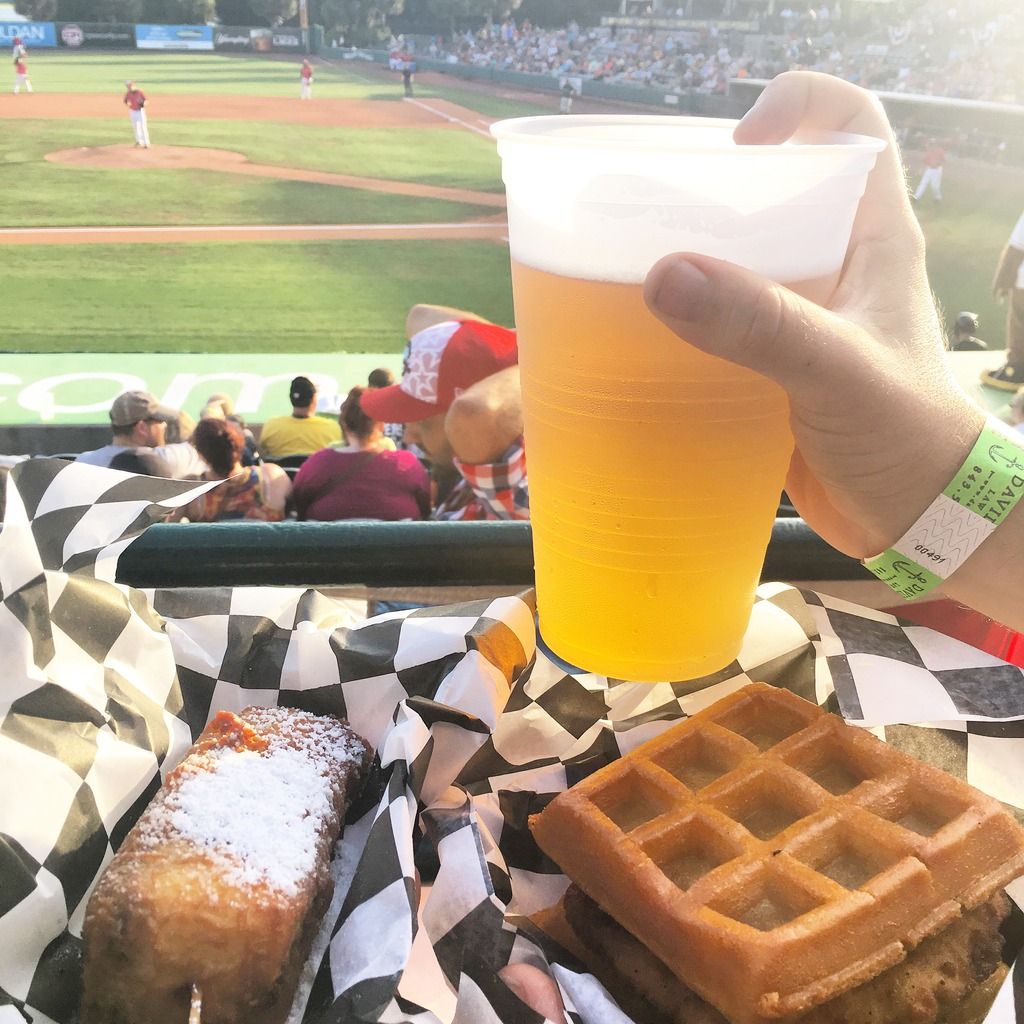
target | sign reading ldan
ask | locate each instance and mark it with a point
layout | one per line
(79, 388)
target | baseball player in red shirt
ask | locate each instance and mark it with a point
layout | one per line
(21, 75)
(306, 81)
(934, 158)
(135, 101)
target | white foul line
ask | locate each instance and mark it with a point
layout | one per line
(448, 117)
(171, 229)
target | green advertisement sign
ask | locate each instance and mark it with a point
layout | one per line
(78, 388)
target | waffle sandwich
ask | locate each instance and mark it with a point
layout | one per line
(774, 858)
(223, 881)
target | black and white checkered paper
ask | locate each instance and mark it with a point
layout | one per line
(106, 687)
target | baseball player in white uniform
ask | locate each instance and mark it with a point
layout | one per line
(306, 81)
(21, 75)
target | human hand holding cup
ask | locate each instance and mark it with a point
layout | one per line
(656, 468)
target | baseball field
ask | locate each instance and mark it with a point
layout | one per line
(261, 224)
(299, 226)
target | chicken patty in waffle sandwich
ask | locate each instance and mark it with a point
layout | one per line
(783, 866)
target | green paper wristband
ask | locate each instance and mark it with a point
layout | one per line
(979, 497)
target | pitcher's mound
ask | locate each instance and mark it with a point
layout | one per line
(129, 156)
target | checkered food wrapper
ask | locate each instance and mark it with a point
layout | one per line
(107, 686)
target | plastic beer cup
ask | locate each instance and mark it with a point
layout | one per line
(655, 470)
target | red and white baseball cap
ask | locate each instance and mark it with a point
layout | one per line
(440, 363)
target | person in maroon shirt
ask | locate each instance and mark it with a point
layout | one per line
(365, 479)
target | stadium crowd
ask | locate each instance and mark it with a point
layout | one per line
(966, 51)
(443, 443)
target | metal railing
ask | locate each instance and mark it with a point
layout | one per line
(397, 555)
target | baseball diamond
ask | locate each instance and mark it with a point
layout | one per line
(331, 216)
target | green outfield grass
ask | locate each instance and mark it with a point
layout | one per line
(325, 295)
(193, 73)
(965, 235)
(240, 297)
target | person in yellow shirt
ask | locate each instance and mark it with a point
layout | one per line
(302, 432)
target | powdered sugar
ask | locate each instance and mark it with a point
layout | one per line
(259, 813)
(262, 815)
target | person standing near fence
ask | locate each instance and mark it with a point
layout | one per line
(568, 94)
(1008, 286)
(306, 81)
(135, 101)
(21, 75)
(934, 158)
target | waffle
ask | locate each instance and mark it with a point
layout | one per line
(773, 856)
(952, 977)
(224, 879)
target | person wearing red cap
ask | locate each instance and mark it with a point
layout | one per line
(459, 400)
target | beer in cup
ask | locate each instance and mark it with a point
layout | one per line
(655, 470)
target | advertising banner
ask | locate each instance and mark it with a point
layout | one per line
(79, 387)
(288, 39)
(174, 37)
(266, 40)
(227, 38)
(77, 35)
(34, 34)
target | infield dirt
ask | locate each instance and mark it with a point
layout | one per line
(441, 115)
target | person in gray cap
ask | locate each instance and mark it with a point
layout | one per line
(139, 424)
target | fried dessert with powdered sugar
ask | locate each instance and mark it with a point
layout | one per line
(224, 879)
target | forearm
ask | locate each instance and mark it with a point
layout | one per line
(424, 315)
(486, 419)
(992, 580)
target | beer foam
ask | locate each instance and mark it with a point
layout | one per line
(604, 198)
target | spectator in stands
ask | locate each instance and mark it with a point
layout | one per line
(302, 432)
(219, 406)
(1009, 284)
(383, 377)
(963, 334)
(368, 479)
(248, 492)
(139, 425)
(459, 399)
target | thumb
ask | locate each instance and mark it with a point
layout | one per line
(733, 313)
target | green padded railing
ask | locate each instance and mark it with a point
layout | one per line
(379, 554)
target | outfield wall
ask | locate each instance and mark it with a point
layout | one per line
(696, 104)
(76, 35)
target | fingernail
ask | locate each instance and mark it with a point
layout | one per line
(679, 290)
